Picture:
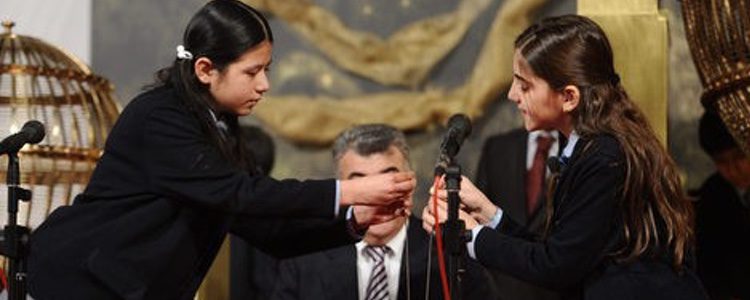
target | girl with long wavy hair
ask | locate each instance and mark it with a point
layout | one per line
(619, 225)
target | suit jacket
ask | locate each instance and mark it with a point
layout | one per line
(252, 273)
(332, 274)
(501, 177)
(574, 258)
(722, 231)
(158, 206)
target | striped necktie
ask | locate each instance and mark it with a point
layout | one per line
(377, 287)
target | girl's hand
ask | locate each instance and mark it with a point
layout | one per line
(378, 190)
(366, 216)
(428, 216)
(473, 201)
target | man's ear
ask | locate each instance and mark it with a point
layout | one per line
(204, 69)
(571, 97)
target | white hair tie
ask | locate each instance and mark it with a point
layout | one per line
(183, 54)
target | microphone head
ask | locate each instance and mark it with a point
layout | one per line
(459, 128)
(461, 124)
(34, 131)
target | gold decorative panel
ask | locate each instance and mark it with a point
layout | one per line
(639, 37)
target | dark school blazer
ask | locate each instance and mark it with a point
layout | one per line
(158, 206)
(585, 229)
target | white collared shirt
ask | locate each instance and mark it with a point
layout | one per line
(392, 264)
(571, 145)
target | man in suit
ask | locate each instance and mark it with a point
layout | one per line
(505, 174)
(723, 215)
(358, 271)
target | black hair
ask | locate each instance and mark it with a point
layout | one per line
(713, 134)
(222, 30)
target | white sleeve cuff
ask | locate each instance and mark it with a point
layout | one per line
(496, 219)
(470, 244)
(337, 200)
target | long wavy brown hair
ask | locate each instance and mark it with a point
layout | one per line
(655, 212)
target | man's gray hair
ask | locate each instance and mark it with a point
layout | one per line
(369, 139)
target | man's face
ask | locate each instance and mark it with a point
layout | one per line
(352, 165)
(734, 166)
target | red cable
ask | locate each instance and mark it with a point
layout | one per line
(3, 279)
(439, 239)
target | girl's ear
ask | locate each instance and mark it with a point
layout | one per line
(572, 95)
(204, 69)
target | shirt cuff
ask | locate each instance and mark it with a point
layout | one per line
(470, 244)
(496, 219)
(337, 201)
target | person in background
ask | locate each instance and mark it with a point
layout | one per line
(723, 215)
(391, 261)
(174, 179)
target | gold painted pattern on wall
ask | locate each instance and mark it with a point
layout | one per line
(292, 116)
(404, 59)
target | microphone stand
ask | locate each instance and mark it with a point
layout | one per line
(455, 233)
(14, 239)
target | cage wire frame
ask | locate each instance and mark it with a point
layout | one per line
(39, 81)
(718, 33)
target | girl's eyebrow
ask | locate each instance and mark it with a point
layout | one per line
(519, 77)
(255, 66)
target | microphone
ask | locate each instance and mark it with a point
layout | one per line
(459, 127)
(32, 132)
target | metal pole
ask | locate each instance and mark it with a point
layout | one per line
(15, 237)
(455, 239)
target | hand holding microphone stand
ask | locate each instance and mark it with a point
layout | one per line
(14, 238)
(455, 234)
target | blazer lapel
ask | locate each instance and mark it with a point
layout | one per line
(581, 146)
